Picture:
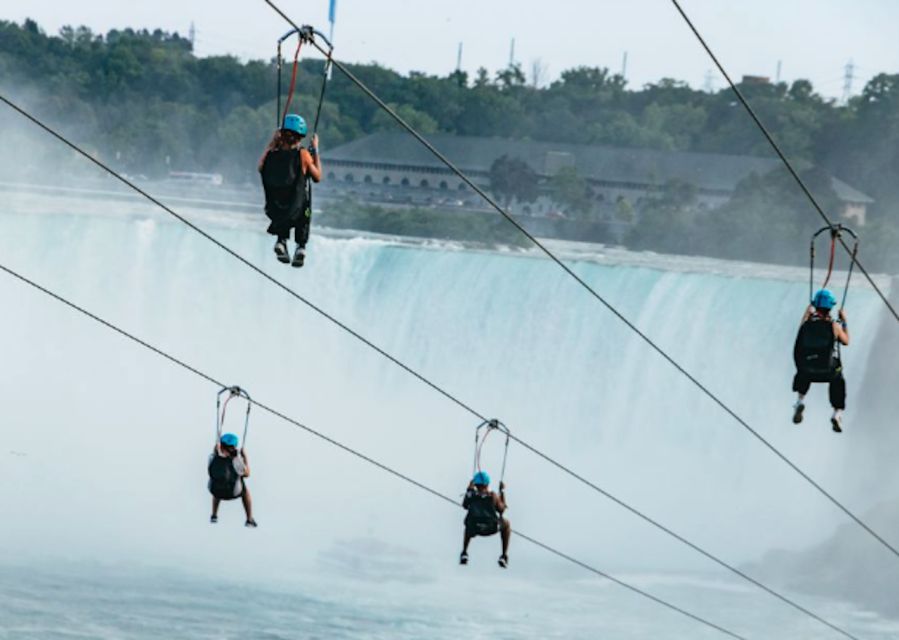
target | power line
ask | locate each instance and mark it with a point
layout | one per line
(705, 390)
(451, 397)
(783, 156)
(358, 454)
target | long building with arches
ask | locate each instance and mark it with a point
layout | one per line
(394, 167)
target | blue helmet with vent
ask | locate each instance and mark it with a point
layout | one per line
(230, 440)
(824, 299)
(295, 123)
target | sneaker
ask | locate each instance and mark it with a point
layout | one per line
(463, 558)
(798, 408)
(213, 519)
(251, 523)
(281, 251)
(503, 561)
(299, 257)
(837, 422)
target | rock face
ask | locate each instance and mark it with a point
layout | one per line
(850, 565)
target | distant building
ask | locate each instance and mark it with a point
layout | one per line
(396, 167)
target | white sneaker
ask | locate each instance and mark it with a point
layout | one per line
(281, 251)
(837, 421)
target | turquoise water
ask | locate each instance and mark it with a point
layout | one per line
(132, 603)
(107, 442)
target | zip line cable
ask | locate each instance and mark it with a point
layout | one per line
(239, 257)
(781, 154)
(347, 449)
(705, 390)
(552, 461)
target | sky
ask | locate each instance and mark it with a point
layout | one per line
(813, 40)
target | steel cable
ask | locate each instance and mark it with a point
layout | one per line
(781, 154)
(705, 390)
(366, 458)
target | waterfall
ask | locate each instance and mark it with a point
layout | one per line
(109, 431)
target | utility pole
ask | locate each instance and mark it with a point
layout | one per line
(459, 59)
(512, 54)
(192, 35)
(624, 66)
(779, 68)
(332, 18)
(848, 77)
(709, 84)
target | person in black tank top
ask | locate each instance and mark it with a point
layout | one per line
(816, 355)
(229, 469)
(286, 169)
(484, 517)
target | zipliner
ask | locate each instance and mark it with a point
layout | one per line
(817, 356)
(286, 169)
(228, 470)
(484, 517)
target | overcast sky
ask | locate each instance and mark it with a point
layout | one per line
(814, 40)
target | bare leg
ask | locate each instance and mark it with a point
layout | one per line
(215, 506)
(505, 534)
(465, 540)
(247, 502)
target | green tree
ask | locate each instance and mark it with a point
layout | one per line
(513, 179)
(768, 219)
(666, 221)
(571, 192)
(419, 120)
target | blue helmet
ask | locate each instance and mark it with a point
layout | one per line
(230, 440)
(824, 299)
(481, 478)
(295, 123)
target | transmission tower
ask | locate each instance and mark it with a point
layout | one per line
(848, 77)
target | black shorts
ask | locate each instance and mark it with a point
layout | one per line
(233, 494)
(473, 529)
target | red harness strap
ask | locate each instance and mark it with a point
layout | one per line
(293, 77)
(833, 247)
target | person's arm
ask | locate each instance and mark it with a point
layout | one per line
(500, 499)
(312, 161)
(808, 314)
(841, 329)
(467, 499)
(273, 143)
(246, 464)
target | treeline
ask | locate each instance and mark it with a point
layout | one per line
(144, 100)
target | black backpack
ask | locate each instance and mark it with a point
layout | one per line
(223, 477)
(284, 185)
(482, 516)
(815, 351)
